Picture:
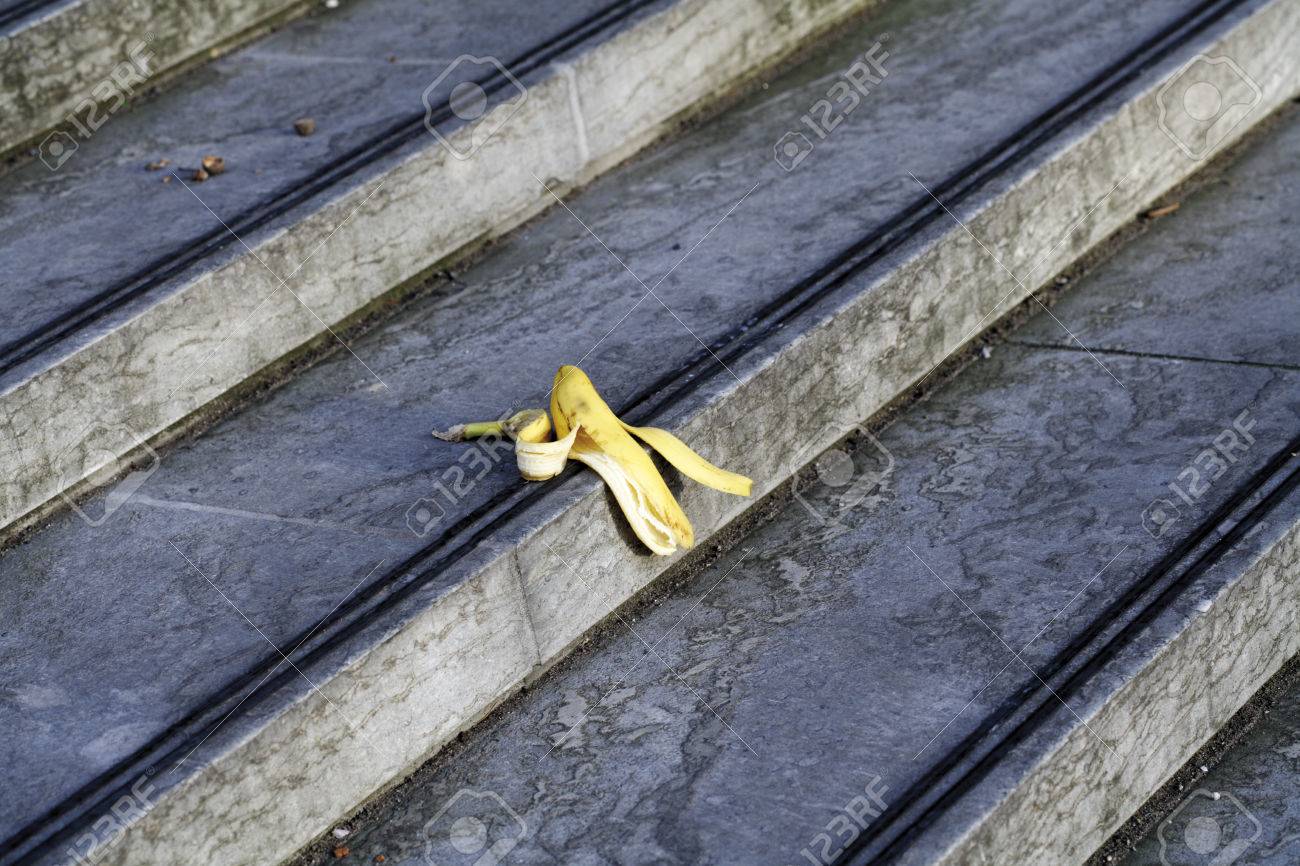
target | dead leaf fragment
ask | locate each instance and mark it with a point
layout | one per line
(304, 126)
(214, 164)
(1157, 212)
(199, 175)
(342, 851)
(157, 164)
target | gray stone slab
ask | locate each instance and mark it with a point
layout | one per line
(1198, 266)
(54, 56)
(205, 326)
(307, 466)
(1247, 808)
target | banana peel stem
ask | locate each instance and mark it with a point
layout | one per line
(472, 430)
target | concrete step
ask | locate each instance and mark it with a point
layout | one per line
(1238, 803)
(123, 335)
(977, 635)
(314, 524)
(68, 66)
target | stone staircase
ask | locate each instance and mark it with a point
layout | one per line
(249, 593)
(975, 632)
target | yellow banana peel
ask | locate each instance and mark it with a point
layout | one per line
(592, 434)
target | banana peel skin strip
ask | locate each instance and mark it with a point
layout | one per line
(588, 431)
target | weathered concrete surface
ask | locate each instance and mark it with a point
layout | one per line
(1248, 805)
(57, 57)
(1198, 267)
(298, 498)
(871, 626)
(139, 369)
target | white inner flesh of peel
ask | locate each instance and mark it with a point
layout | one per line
(652, 531)
(539, 461)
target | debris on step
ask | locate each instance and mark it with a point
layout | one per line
(157, 164)
(304, 126)
(214, 164)
(1165, 210)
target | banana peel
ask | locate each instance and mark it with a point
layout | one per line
(588, 431)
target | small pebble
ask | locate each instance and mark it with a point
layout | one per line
(1062, 280)
(986, 352)
(304, 126)
(331, 4)
(199, 176)
(1204, 769)
(341, 832)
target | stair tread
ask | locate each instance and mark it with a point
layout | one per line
(865, 634)
(1200, 269)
